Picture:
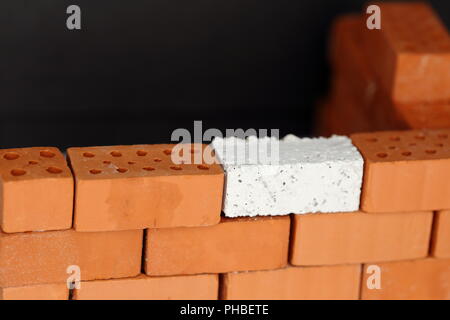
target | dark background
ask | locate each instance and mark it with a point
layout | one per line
(139, 69)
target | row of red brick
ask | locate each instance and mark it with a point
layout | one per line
(139, 187)
(233, 245)
(410, 280)
(393, 78)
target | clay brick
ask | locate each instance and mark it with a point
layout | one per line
(405, 170)
(36, 292)
(43, 257)
(411, 52)
(427, 279)
(36, 190)
(294, 283)
(239, 244)
(196, 287)
(351, 63)
(138, 187)
(441, 235)
(330, 239)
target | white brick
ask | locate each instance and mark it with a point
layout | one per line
(311, 175)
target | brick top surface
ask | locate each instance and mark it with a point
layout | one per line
(138, 161)
(388, 146)
(414, 28)
(32, 163)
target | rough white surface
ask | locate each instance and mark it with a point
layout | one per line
(310, 175)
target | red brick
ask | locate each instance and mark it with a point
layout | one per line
(411, 53)
(196, 287)
(36, 190)
(138, 187)
(294, 283)
(427, 279)
(43, 257)
(344, 238)
(233, 245)
(405, 170)
(36, 292)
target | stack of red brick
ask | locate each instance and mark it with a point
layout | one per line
(145, 228)
(397, 77)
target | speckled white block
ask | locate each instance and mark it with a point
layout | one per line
(309, 176)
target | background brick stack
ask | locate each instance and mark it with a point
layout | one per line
(394, 78)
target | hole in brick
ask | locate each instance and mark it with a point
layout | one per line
(176, 168)
(95, 171)
(395, 138)
(32, 162)
(148, 168)
(116, 154)
(167, 152)
(47, 154)
(107, 162)
(88, 155)
(407, 153)
(440, 145)
(131, 162)
(141, 153)
(157, 160)
(420, 137)
(11, 156)
(372, 140)
(203, 167)
(18, 172)
(392, 148)
(443, 136)
(54, 170)
(431, 151)
(122, 170)
(382, 155)
(413, 144)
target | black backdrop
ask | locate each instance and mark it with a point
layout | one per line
(139, 69)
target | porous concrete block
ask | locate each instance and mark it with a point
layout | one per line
(267, 176)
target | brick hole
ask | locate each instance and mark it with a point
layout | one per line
(203, 167)
(88, 155)
(443, 136)
(32, 162)
(167, 152)
(148, 168)
(413, 144)
(11, 156)
(440, 145)
(141, 153)
(176, 168)
(18, 172)
(407, 153)
(47, 154)
(131, 162)
(372, 140)
(116, 154)
(431, 151)
(107, 162)
(95, 171)
(382, 155)
(54, 170)
(394, 138)
(157, 160)
(122, 170)
(392, 147)
(420, 137)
